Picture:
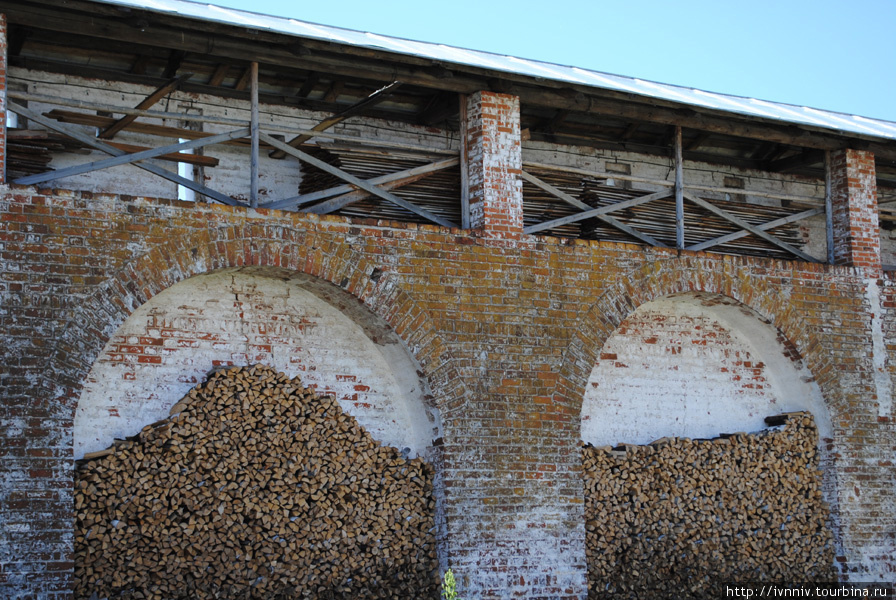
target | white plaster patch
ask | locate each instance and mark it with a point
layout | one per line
(882, 383)
(169, 344)
(678, 368)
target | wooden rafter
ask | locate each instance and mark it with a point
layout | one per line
(374, 98)
(347, 177)
(218, 75)
(109, 132)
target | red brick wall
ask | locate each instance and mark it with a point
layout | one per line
(494, 163)
(506, 335)
(854, 215)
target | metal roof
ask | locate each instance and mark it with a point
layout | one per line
(753, 107)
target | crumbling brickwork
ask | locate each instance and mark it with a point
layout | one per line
(506, 333)
(854, 203)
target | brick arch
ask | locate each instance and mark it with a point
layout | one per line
(93, 321)
(664, 278)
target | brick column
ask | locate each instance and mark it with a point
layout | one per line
(4, 45)
(854, 209)
(493, 163)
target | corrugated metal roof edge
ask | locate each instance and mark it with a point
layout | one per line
(843, 123)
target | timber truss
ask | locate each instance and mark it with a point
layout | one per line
(560, 201)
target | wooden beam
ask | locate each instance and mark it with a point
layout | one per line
(253, 132)
(764, 227)
(192, 159)
(298, 201)
(243, 82)
(78, 118)
(748, 227)
(374, 98)
(679, 190)
(332, 94)
(308, 85)
(440, 108)
(125, 158)
(829, 205)
(464, 163)
(109, 132)
(219, 74)
(175, 60)
(94, 143)
(355, 181)
(697, 141)
(139, 66)
(806, 158)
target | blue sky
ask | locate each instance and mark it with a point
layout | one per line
(836, 55)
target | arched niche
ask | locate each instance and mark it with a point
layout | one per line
(295, 323)
(694, 365)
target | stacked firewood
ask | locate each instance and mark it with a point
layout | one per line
(255, 487)
(678, 517)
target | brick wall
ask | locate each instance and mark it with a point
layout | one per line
(854, 214)
(505, 334)
(494, 163)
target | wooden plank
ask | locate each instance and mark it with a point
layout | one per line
(679, 190)
(109, 132)
(371, 100)
(355, 181)
(829, 206)
(748, 227)
(464, 165)
(297, 201)
(765, 227)
(89, 141)
(192, 159)
(125, 158)
(253, 132)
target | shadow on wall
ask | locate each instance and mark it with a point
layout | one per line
(295, 323)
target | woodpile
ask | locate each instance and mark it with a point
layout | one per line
(675, 518)
(254, 487)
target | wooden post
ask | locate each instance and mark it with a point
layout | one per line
(828, 207)
(464, 168)
(253, 171)
(679, 191)
(3, 108)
